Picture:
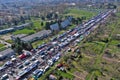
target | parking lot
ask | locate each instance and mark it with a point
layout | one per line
(39, 60)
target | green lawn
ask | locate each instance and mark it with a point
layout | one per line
(65, 75)
(37, 24)
(1, 45)
(36, 43)
(24, 31)
(9, 41)
(81, 13)
(2, 48)
(40, 42)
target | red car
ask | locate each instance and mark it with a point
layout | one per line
(22, 56)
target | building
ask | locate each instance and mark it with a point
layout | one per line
(21, 26)
(70, 18)
(14, 37)
(37, 36)
(4, 31)
(6, 54)
(65, 23)
(54, 27)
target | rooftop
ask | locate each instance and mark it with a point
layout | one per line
(36, 35)
(7, 51)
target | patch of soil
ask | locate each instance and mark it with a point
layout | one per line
(80, 75)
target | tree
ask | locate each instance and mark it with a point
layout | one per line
(22, 19)
(79, 19)
(118, 45)
(47, 26)
(29, 18)
(56, 16)
(17, 46)
(42, 23)
(42, 17)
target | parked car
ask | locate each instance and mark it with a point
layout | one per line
(27, 62)
(50, 62)
(33, 58)
(5, 77)
(36, 72)
(46, 68)
(39, 74)
(21, 66)
(22, 56)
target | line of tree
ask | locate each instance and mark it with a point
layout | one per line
(50, 16)
(78, 20)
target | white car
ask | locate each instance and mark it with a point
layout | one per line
(50, 62)
(5, 77)
(46, 68)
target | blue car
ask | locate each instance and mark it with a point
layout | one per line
(39, 74)
(36, 72)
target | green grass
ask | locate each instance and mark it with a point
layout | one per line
(2, 48)
(37, 24)
(94, 47)
(9, 41)
(2, 45)
(72, 26)
(24, 31)
(80, 13)
(40, 42)
(35, 44)
(65, 75)
(113, 47)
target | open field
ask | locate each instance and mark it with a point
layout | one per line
(80, 13)
(1, 45)
(104, 67)
(24, 31)
(37, 24)
(2, 48)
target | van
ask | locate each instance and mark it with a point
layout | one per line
(21, 66)
(46, 68)
(27, 62)
(5, 77)
(36, 72)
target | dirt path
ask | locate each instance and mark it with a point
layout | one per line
(111, 60)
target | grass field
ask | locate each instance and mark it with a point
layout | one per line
(39, 42)
(37, 24)
(9, 41)
(81, 13)
(107, 69)
(24, 31)
(2, 48)
(1, 45)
